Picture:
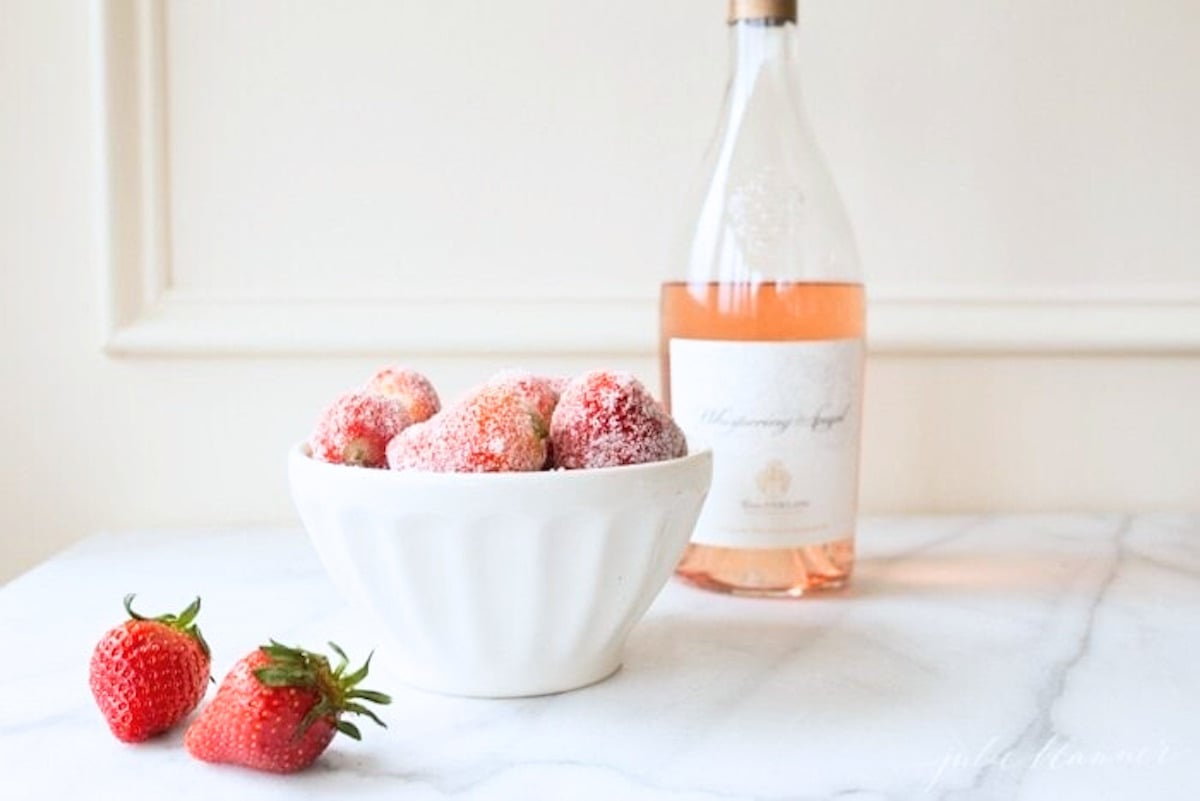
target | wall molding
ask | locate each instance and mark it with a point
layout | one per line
(146, 316)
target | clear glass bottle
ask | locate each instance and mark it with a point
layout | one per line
(762, 335)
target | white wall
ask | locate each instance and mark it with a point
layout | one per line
(1022, 175)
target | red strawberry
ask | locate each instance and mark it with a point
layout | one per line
(414, 391)
(279, 708)
(356, 427)
(494, 429)
(607, 418)
(147, 674)
(540, 392)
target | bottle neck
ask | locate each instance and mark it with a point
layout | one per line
(769, 210)
(763, 48)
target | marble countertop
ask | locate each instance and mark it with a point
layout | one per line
(1000, 657)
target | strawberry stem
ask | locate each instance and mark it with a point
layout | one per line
(183, 622)
(296, 667)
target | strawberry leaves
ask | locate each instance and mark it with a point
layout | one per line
(183, 622)
(337, 690)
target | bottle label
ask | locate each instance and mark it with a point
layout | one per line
(783, 420)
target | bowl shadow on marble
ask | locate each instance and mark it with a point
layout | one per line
(781, 674)
(760, 685)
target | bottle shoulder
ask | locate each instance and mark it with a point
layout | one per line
(767, 206)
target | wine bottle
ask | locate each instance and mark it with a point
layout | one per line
(762, 334)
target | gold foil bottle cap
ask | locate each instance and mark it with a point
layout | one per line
(782, 10)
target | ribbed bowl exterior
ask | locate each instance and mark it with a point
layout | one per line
(501, 584)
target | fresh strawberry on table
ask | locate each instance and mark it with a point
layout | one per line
(279, 708)
(147, 674)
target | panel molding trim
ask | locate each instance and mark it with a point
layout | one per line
(147, 316)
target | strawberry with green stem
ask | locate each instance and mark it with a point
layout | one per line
(279, 708)
(147, 674)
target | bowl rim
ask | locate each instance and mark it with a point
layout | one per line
(301, 455)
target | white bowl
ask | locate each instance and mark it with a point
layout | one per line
(501, 584)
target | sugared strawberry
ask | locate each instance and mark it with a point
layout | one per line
(147, 674)
(492, 430)
(278, 709)
(607, 418)
(418, 447)
(540, 392)
(409, 387)
(356, 429)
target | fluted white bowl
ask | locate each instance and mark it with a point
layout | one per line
(502, 584)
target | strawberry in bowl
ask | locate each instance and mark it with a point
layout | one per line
(519, 535)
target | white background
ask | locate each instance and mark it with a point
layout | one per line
(440, 181)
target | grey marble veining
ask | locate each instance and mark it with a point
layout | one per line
(1000, 657)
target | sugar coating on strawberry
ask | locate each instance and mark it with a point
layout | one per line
(492, 430)
(608, 418)
(356, 429)
(415, 447)
(409, 387)
(540, 392)
(147, 674)
(279, 708)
